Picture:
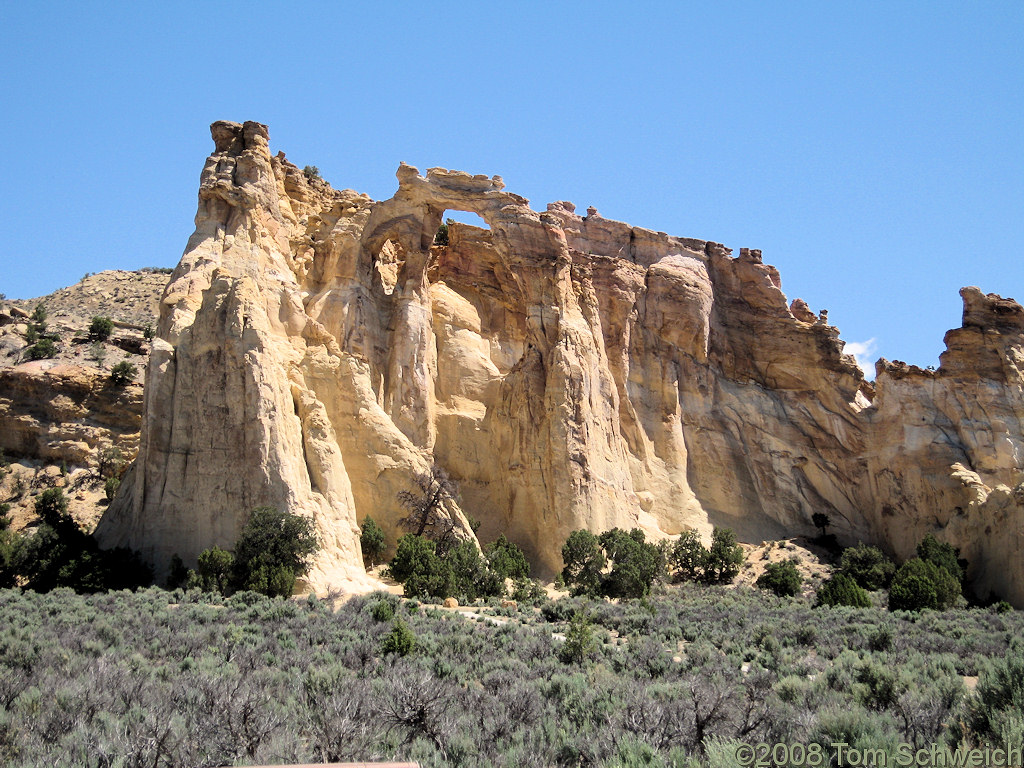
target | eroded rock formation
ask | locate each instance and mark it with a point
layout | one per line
(316, 350)
(66, 413)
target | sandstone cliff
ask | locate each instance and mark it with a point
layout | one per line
(315, 351)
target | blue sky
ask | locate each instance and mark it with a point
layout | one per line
(873, 151)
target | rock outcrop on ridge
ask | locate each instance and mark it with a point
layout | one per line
(315, 351)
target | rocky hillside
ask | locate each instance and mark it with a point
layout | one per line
(63, 422)
(316, 350)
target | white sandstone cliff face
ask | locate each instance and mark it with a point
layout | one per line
(316, 351)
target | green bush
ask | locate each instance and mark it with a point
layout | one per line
(441, 236)
(418, 568)
(688, 558)
(10, 557)
(382, 611)
(583, 559)
(60, 554)
(781, 578)
(52, 508)
(724, 557)
(579, 642)
(311, 172)
(868, 566)
(100, 328)
(214, 570)
(42, 349)
(636, 563)
(943, 555)
(39, 315)
(400, 640)
(528, 592)
(507, 559)
(842, 590)
(273, 550)
(997, 709)
(110, 487)
(123, 373)
(372, 541)
(920, 584)
(471, 575)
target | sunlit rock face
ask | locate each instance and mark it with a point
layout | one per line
(316, 350)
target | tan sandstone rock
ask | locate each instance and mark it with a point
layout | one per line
(316, 352)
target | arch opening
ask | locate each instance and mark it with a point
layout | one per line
(454, 216)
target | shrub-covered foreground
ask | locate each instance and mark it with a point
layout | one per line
(160, 678)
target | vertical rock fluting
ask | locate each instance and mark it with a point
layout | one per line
(316, 351)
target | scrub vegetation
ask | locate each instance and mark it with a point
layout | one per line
(192, 678)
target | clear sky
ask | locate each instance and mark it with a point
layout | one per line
(873, 151)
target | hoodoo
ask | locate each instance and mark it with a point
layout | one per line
(317, 350)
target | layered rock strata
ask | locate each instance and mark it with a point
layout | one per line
(316, 350)
(62, 413)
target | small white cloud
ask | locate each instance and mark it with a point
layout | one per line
(864, 352)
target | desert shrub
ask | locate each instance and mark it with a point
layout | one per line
(418, 568)
(636, 563)
(100, 328)
(192, 678)
(470, 572)
(688, 557)
(111, 462)
(51, 506)
(781, 578)
(97, 353)
(400, 640)
(507, 559)
(311, 172)
(920, 584)
(213, 570)
(273, 550)
(528, 592)
(868, 566)
(39, 315)
(724, 557)
(10, 556)
(372, 541)
(583, 559)
(840, 589)
(123, 373)
(382, 611)
(60, 554)
(110, 487)
(943, 555)
(998, 707)
(42, 349)
(579, 642)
